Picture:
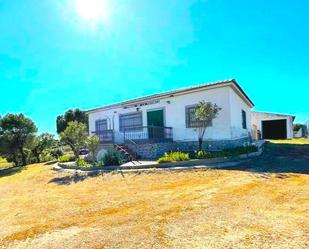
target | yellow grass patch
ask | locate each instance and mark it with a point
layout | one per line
(4, 164)
(43, 208)
(291, 141)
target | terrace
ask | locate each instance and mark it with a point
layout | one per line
(139, 134)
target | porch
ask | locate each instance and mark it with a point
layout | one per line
(140, 134)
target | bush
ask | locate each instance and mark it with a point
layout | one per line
(233, 152)
(202, 154)
(66, 158)
(174, 157)
(112, 157)
(82, 163)
(46, 156)
(56, 153)
(98, 164)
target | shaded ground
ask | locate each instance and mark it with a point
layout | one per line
(158, 209)
(281, 156)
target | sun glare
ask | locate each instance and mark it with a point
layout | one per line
(92, 11)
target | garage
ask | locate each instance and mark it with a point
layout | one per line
(274, 129)
(266, 125)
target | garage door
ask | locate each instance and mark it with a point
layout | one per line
(274, 129)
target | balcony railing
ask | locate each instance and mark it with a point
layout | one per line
(106, 136)
(148, 134)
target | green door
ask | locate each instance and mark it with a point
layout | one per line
(155, 121)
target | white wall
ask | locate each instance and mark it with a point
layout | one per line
(236, 106)
(258, 117)
(175, 114)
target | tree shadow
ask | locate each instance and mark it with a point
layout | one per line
(278, 158)
(74, 178)
(11, 171)
(51, 162)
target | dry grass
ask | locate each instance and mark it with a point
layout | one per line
(291, 141)
(192, 209)
(4, 164)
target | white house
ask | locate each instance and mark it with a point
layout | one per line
(166, 121)
(267, 125)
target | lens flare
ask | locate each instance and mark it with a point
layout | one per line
(92, 11)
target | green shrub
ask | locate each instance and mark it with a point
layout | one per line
(98, 164)
(66, 158)
(174, 157)
(233, 152)
(202, 154)
(112, 157)
(46, 156)
(82, 163)
(56, 153)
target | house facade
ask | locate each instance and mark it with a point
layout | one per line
(158, 123)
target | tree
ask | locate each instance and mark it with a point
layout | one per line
(93, 144)
(205, 113)
(42, 143)
(16, 132)
(75, 136)
(69, 116)
(297, 127)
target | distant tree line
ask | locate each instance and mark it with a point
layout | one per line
(20, 143)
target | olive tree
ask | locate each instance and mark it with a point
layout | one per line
(41, 143)
(75, 136)
(16, 133)
(62, 121)
(205, 113)
(92, 145)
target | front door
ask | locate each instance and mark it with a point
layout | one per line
(155, 122)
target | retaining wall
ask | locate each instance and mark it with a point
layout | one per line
(155, 150)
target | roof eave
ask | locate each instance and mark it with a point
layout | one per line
(179, 92)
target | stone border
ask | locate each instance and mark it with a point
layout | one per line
(180, 164)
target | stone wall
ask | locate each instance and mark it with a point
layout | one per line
(152, 150)
(155, 150)
(211, 144)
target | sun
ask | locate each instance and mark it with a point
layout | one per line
(92, 11)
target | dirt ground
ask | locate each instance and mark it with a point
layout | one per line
(44, 208)
(280, 156)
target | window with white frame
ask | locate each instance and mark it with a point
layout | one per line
(131, 121)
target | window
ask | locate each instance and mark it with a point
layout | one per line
(131, 121)
(191, 120)
(101, 125)
(244, 119)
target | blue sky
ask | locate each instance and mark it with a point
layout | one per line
(52, 57)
